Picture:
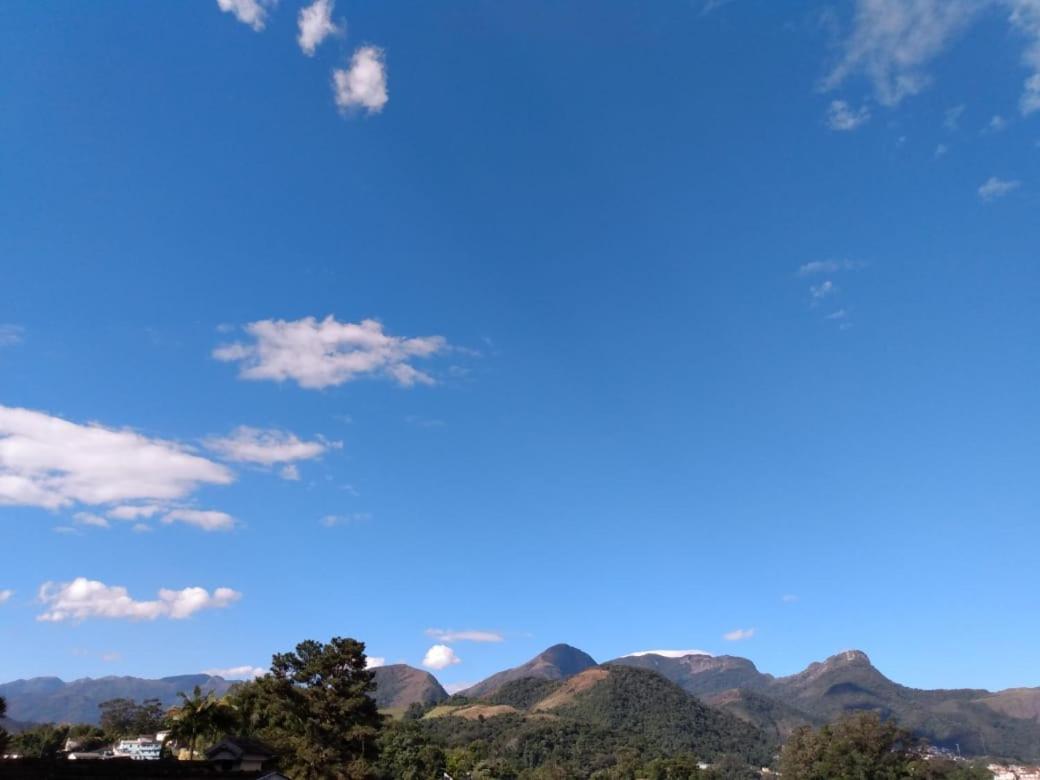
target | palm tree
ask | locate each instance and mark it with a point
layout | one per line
(199, 715)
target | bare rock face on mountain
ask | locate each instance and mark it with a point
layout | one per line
(556, 663)
(400, 686)
(702, 675)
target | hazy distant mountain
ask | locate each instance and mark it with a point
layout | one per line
(556, 663)
(400, 685)
(51, 700)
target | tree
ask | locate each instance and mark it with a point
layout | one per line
(314, 708)
(45, 741)
(858, 747)
(200, 715)
(405, 753)
(127, 718)
(4, 737)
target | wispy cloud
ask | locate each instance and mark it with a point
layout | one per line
(81, 599)
(250, 12)
(739, 634)
(447, 635)
(952, 117)
(440, 657)
(11, 335)
(354, 518)
(5, 595)
(994, 188)
(133, 511)
(822, 290)
(91, 519)
(318, 354)
(892, 42)
(828, 267)
(206, 519)
(789, 598)
(315, 23)
(269, 447)
(363, 84)
(996, 124)
(842, 117)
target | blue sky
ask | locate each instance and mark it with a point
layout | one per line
(493, 325)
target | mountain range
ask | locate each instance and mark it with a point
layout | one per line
(715, 691)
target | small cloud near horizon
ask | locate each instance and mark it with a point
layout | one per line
(668, 653)
(440, 657)
(739, 634)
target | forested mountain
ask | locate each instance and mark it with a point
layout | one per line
(587, 721)
(556, 663)
(977, 722)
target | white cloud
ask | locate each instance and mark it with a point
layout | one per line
(133, 511)
(238, 672)
(464, 636)
(892, 41)
(290, 472)
(374, 661)
(738, 634)
(315, 23)
(11, 335)
(822, 290)
(83, 598)
(841, 116)
(789, 598)
(840, 314)
(952, 117)
(668, 653)
(331, 521)
(440, 657)
(364, 83)
(327, 353)
(141, 528)
(994, 188)
(1025, 17)
(940, 151)
(251, 12)
(207, 520)
(453, 688)
(89, 518)
(49, 462)
(111, 657)
(996, 124)
(267, 447)
(828, 267)
(5, 595)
